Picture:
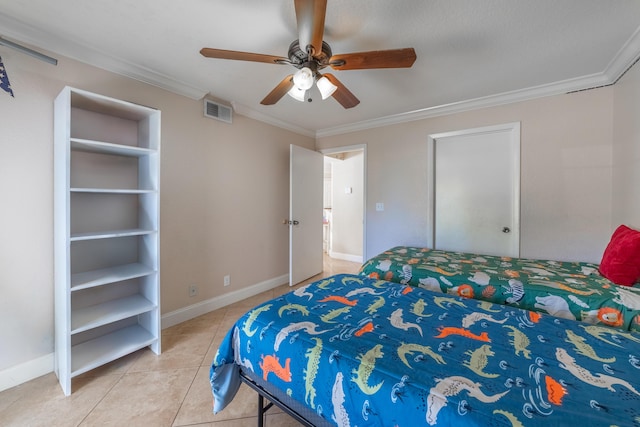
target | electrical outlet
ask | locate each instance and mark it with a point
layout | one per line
(227, 280)
(193, 290)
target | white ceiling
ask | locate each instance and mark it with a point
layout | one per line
(469, 52)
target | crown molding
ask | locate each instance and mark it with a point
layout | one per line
(558, 88)
(628, 54)
(621, 62)
(25, 33)
(256, 115)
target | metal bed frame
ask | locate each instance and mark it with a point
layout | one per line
(290, 406)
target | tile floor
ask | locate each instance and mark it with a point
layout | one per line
(144, 389)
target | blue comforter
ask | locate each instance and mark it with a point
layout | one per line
(366, 352)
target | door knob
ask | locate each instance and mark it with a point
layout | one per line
(296, 222)
(506, 230)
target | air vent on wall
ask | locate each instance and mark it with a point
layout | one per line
(217, 111)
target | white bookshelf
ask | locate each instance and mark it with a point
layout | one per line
(106, 231)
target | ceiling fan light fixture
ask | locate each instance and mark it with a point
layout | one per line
(325, 87)
(297, 94)
(303, 78)
(310, 54)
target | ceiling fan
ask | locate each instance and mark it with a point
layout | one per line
(310, 54)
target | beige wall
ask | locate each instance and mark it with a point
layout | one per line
(626, 150)
(224, 192)
(566, 174)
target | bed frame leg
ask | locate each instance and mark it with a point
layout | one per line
(262, 410)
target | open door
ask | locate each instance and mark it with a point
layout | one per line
(305, 214)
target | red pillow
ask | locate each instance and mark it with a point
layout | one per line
(621, 259)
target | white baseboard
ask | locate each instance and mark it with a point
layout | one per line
(26, 371)
(346, 257)
(35, 368)
(204, 307)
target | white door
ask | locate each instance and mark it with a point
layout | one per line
(476, 190)
(305, 214)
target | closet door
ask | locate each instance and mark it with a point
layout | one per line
(476, 190)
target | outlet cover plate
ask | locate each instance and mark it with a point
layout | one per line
(193, 290)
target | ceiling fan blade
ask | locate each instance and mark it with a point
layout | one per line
(342, 94)
(393, 58)
(241, 56)
(279, 91)
(310, 18)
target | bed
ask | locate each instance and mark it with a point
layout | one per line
(571, 290)
(351, 350)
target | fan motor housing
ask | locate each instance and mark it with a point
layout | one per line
(300, 58)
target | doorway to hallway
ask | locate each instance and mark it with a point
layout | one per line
(344, 203)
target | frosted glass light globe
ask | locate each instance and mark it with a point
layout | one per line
(297, 94)
(303, 79)
(325, 87)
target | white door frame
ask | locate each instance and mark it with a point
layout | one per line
(514, 129)
(363, 148)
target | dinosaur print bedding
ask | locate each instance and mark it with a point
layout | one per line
(571, 290)
(366, 352)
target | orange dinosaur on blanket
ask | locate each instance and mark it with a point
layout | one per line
(446, 331)
(340, 299)
(272, 364)
(366, 328)
(555, 390)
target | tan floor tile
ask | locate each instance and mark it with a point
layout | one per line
(207, 323)
(44, 403)
(280, 420)
(178, 351)
(241, 422)
(198, 404)
(143, 398)
(8, 397)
